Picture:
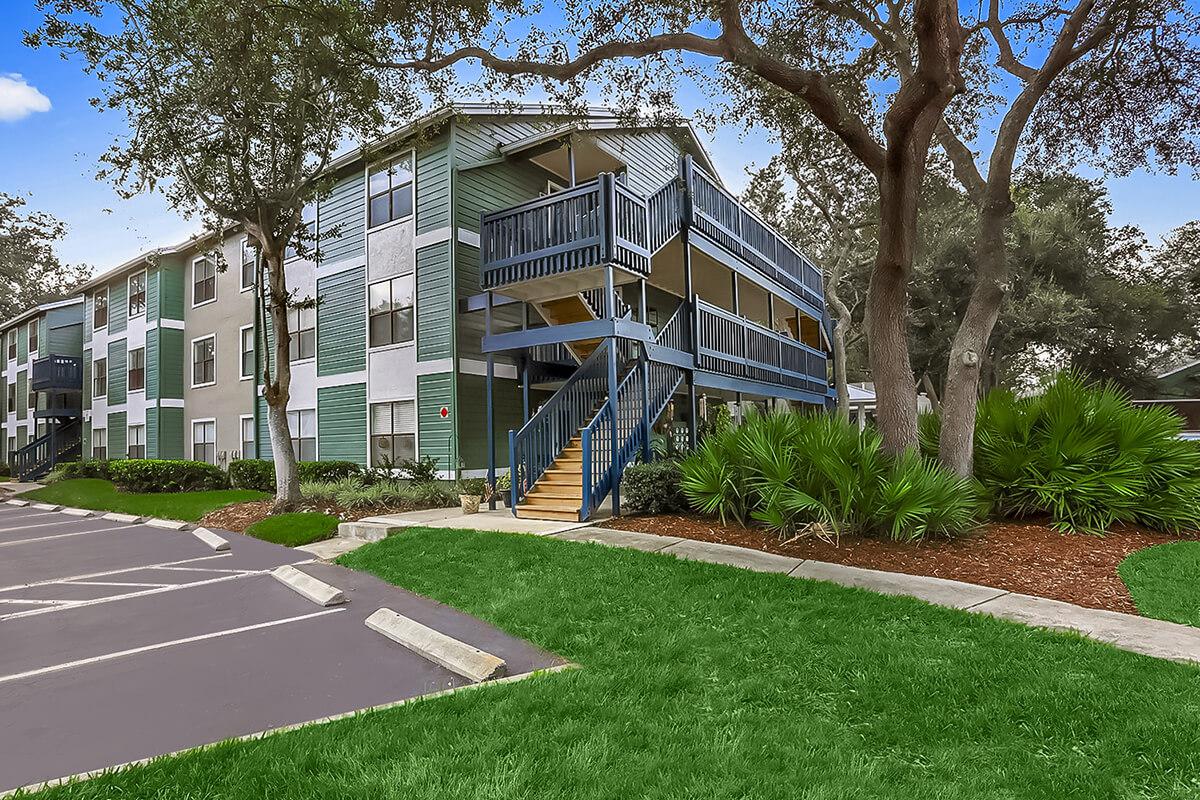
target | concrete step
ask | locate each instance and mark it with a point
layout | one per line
(367, 531)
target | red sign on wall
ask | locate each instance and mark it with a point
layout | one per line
(445, 412)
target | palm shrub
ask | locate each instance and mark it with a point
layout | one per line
(1085, 456)
(796, 471)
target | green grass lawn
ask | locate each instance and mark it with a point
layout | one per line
(293, 530)
(101, 495)
(1164, 581)
(703, 681)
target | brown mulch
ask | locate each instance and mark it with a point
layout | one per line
(1018, 556)
(240, 516)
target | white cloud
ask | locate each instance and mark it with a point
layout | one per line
(18, 99)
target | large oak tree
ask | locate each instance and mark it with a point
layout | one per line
(235, 108)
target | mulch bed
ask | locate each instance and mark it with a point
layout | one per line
(1018, 556)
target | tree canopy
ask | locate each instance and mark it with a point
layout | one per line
(30, 269)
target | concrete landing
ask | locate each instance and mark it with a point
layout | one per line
(500, 520)
(1150, 637)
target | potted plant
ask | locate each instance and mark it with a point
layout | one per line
(503, 488)
(470, 492)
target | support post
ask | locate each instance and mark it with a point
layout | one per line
(689, 294)
(614, 408)
(491, 410)
(524, 373)
(644, 366)
(571, 160)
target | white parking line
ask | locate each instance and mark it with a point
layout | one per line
(45, 525)
(27, 602)
(126, 596)
(116, 583)
(65, 535)
(83, 662)
(209, 569)
(67, 579)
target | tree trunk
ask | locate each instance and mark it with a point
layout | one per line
(277, 389)
(956, 445)
(842, 317)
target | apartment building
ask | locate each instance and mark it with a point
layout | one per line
(474, 270)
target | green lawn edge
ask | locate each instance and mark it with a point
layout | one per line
(295, 529)
(701, 680)
(1164, 581)
(101, 495)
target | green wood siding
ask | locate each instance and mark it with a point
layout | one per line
(493, 188)
(22, 394)
(87, 378)
(171, 290)
(22, 344)
(169, 364)
(65, 340)
(88, 306)
(341, 322)
(262, 433)
(22, 436)
(433, 186)
(118, 307)
(116, 435)
(435, 436)
(342, 423)
(472, 422)
(43, 331)
(344, 211)
(151, 372)
(152, 432)
(151, 310)
(170, 433)
(117, 359)
(435, 303)
(652, 157)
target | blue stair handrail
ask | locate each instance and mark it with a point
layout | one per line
(61, 443)
(534, 447)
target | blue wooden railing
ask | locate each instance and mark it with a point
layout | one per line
(533, 448)
(61, 443)
(730, 345)
(64, 373)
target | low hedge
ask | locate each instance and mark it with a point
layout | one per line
(653, 488)
(160, 475)
(259, 474)
(69, 470)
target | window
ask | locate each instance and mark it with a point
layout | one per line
(391, 311)
(247, 337)
(137, 369)
(391, 191)
(303, 425)
(204, 361)
(100, 309)
(33, 336)
(204, 281)
(12, 445)
(12, 345)
(100, 377)
(33, 401)
(249, 262)
(137, 294)
(204, 441)
(99, 444)
(136, 445)
(393, 432)
(12, 398)
(302, 324)
(247, 437)
(308, 222)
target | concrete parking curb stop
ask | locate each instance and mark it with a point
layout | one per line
(446, 651)
(76, 512)
(211, 539)
(21, 503)
(169, 524)
(46, 507)
(309, 587)
(132, 519)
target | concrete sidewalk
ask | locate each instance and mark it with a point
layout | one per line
(1150, 637)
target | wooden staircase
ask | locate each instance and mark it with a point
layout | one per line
(558, 493)
(566, 310)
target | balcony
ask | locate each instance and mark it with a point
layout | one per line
(738, 348)
(57, 374)
(568, 236)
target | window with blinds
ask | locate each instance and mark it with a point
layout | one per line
(393, 432)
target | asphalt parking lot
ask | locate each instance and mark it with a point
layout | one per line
(120, 642)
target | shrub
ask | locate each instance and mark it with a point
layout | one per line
(69, 470)
(326, 470)
(353, 493)
(472, 487)
(159, 475)
(653, 488)
(796, 472)
(252, 473)
(5, 470)
(1087, 457)
(419, 470)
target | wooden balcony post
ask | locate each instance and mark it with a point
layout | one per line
(491, 409)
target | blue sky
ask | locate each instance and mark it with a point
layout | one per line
(50, 138)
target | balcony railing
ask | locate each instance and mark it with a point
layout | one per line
(729, 345)
(590, 225)
(603, 221)
(57, 373)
